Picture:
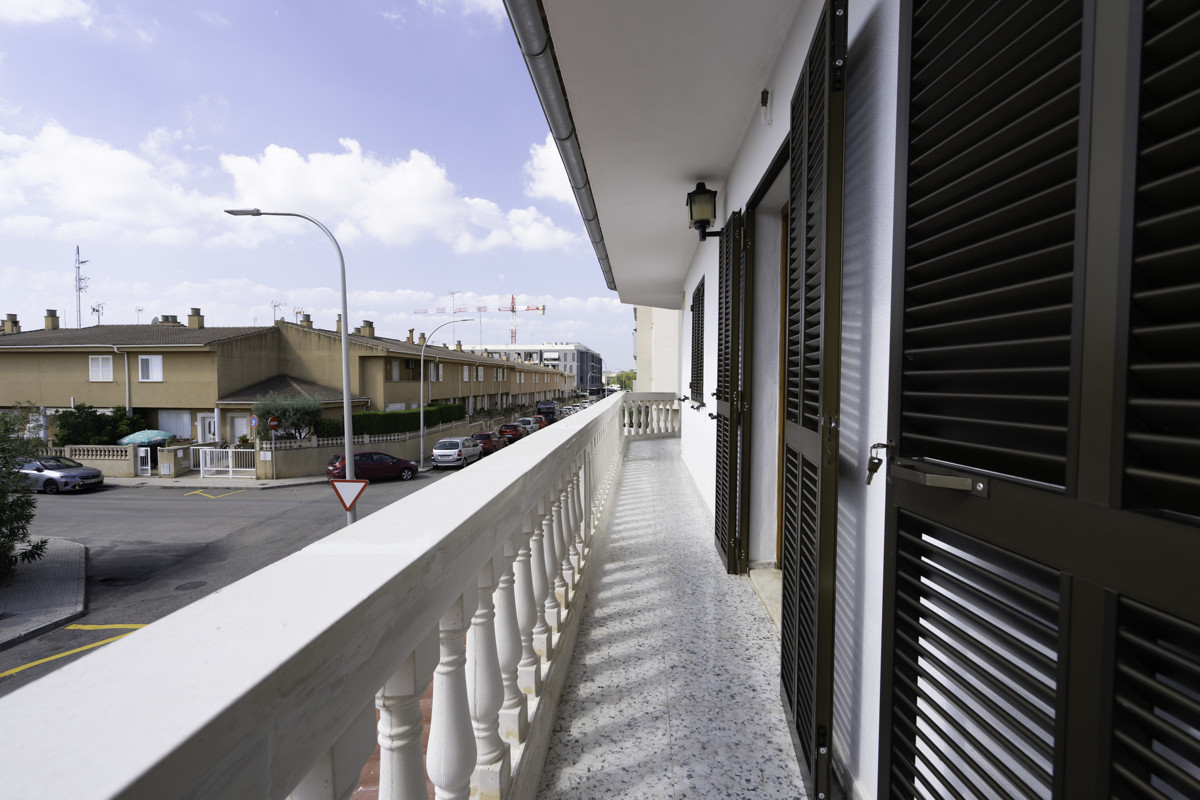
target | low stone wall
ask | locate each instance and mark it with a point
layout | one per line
(113, 461)
(174, 461)
(304, 461)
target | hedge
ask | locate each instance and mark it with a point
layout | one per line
(381, 423)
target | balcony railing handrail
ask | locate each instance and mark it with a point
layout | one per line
(264, 684)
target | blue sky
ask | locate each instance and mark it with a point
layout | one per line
(409, 127)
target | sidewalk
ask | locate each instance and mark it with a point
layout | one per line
(52, 591)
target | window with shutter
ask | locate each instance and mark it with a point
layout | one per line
(1039, 619)
(696, 387)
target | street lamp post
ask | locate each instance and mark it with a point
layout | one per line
(421, 386)
(348, 429)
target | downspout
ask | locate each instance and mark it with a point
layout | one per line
(116, 349)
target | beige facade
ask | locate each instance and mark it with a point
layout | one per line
(200, 383)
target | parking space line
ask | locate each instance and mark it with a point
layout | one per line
(104, 627)
(23, 667)
(214, 497)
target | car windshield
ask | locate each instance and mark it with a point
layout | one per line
(59, 462)
(335, 459)
(447, 444)
(481, 436)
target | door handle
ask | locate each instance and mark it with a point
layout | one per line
(937, 480)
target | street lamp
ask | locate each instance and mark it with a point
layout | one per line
(421, 385)
(348, 430)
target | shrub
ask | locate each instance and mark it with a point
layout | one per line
(83, 424)
(297, 415)
(17, 505)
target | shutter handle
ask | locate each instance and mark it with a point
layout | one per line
(960, 483)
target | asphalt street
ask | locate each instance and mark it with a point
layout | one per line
(153, 550)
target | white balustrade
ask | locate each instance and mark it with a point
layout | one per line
(264, 689)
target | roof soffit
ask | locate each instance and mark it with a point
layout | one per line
(648, 128)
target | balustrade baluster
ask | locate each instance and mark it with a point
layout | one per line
(514, 719)
(451, 757)
(541, 636)
(553, 567)
(574, 561)
(564, 576)
(401, 769)
(485, 691)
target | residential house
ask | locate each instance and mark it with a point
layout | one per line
(956, 252)
(201, 382)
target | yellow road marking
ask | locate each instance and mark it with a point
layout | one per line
(103, 627)
(214, 497)
(15, 670)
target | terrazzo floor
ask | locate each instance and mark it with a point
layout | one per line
(674, 687)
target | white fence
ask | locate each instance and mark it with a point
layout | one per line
(226, 463)
(271, 685)
(648, 415)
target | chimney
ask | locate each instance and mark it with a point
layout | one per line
(410, 334)
(51, 319)
(339, 324)
(306, 320)
(195, 319)
(458, 345)
(11, 325)
(367, 329)
(420, 342)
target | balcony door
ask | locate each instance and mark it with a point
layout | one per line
(811, 378)
(1041, 600)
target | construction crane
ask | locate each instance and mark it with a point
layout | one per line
(512, 308)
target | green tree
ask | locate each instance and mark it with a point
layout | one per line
(297, 415)
(624, 379)
(17, 505)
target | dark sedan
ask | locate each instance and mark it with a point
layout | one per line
(53, 474)
(490, 441)
(372, 466)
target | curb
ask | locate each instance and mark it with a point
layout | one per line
(44, 594)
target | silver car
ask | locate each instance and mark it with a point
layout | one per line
(456, 451)
(54, 474)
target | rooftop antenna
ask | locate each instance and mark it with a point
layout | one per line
(98, 309)
(275, 306)
(297, 312)
(139, 315)
(80, 288)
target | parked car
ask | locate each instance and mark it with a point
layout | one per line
(512, 432)
(490, 441)
(54, 474)
(372, 466)
(549, 409)
(540, 420)
(528, 424)
(456, 451)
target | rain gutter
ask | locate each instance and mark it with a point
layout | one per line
(528, 21)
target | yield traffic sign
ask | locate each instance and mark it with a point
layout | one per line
(347, 491)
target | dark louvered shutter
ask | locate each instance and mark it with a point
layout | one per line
(1042, 613)
(1162, 454)
(727, 508)
(812, 360)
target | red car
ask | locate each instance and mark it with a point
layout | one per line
(372, 466)
(512, 432)
(490, 441)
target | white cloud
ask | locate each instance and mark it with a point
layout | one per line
(395, 202)
(89, 189)
(43, 11)
(26, 225)
(545, 174)
(213, 18)
(491, 8)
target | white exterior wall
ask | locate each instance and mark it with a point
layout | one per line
(866, 336)
(868, 241)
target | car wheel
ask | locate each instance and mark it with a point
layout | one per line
(50, 487)
(406, 474)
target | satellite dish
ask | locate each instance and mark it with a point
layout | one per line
(154, 321)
